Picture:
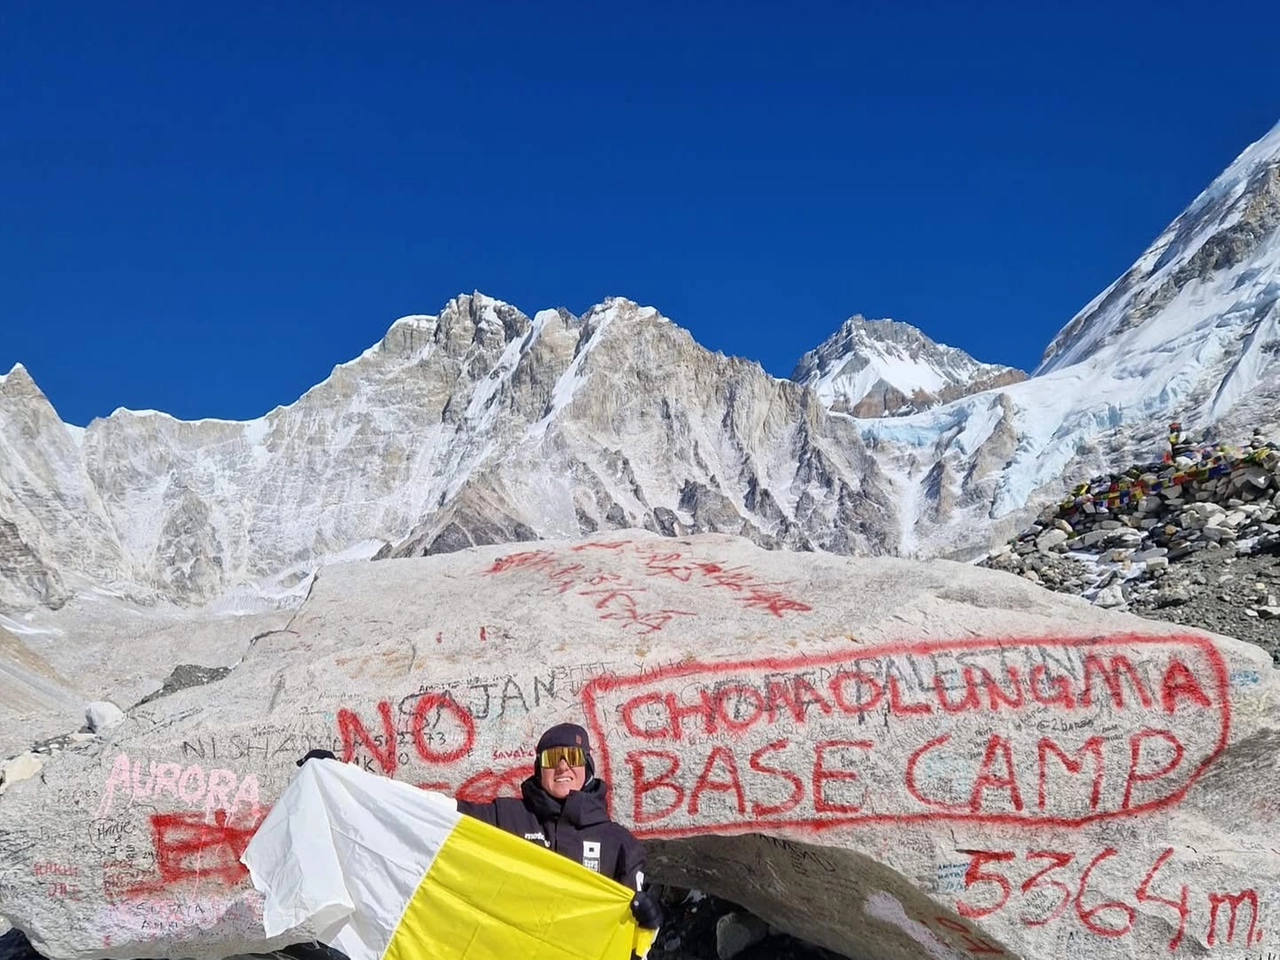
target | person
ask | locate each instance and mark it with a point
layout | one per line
(562, 806)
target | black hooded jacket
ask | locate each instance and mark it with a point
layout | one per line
(579, 828)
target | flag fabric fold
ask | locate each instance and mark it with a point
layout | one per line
(384, 871)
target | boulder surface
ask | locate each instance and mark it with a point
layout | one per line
(888, 758)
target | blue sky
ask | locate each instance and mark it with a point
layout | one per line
(205, 207)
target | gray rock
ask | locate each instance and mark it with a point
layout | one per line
(1173, 596)
(1235, 519)
(1215, 533)
(1149, 553)
(1259, 478)
(737, 931)
(102, 715)
(1112, 596)
(1093, 538)
(19, 768)
(1050, 539)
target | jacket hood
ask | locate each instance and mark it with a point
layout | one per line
(582, 808)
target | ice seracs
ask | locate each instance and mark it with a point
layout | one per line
(1190, 332)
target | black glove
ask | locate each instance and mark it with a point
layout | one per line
(647, 911)
(317, 755)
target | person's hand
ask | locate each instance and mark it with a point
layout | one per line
(646, 909)
(317, 755)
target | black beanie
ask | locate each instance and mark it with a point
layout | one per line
(565, 735)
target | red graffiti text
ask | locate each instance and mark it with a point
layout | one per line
(1038, 732)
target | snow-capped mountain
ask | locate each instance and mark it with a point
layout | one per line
(1219, 259)
(481, 424)
(478, 425)
(873, 368)
(1190, 332)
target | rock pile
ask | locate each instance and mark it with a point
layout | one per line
(1113, 539)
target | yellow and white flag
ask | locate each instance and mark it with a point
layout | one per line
(384, 871)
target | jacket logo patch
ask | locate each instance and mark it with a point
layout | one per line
(538, 836)
(591, 855)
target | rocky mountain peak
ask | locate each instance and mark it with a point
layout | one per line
(874, 368)
(17, 382)
(475, 425)
(1228, 238)
(479, 320)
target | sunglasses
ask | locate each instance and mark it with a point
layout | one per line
(574, 756)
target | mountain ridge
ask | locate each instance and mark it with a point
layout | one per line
(189, 510)
(480, 424)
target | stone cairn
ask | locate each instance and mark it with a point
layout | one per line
(1130, 526)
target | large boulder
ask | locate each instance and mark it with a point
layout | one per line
(889, 758)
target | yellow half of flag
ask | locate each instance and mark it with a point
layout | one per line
(384, 871)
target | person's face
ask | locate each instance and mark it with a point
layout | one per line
(561, 779)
